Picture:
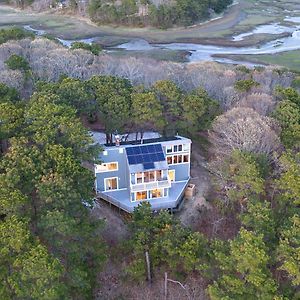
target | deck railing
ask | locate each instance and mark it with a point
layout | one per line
(166, 183)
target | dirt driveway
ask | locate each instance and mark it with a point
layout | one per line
(192, 208)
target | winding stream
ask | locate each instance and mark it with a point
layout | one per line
(199, 52)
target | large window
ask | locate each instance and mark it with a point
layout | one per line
(111, 183)
(150, 176)
(157, 193)
(150, 194)
(178, 159)
(107, 167)
(141, 195)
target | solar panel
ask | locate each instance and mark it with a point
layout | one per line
(145, 154)
(132, 160)
(139, 159)
(130, 151)
(148, 166)
(136, 150)
(153, 157)
(160, 156)
(144, 149)
(151, 148)
(158, 148)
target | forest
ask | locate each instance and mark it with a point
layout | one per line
(245, 121)
(162, 14)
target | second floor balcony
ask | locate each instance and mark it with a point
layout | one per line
(158, 184)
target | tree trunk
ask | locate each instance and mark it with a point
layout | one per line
(166, 286)
(148, 266)
(3, 146)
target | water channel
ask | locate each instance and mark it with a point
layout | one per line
(199, 52)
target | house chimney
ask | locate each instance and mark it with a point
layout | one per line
(118, 140)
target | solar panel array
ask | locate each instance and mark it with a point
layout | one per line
(146, 155)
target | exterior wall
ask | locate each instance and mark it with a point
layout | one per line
(114, 155)
(181, 171)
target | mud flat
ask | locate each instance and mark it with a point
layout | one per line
(247, 29)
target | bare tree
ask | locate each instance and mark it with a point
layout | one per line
(9, 48)
(271, 77)
(49, 60)
(262, 103)
(132, 69)
(12, 78)
(243, 129)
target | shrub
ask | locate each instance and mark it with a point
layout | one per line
(93, 48)
(245, 85)
(14, 33)
(296, 82)
(16, 62)
(243, 69)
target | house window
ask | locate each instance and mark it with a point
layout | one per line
(111, 183)
(157, 193)
(139, 177)
(171, 174)
(177, 148)
(186, 147)
(141, 195)
(158, 175)
(169, 149)
(186, 158)
(179, 159)
(165, 192)
(107, 167)
(149, 176)
(146, 177)
(175, 159)
(152, 176)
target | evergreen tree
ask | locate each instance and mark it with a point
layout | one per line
(243, 267)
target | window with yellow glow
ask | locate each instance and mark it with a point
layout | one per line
(157, 193)
(141, 195)
(107, 167)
